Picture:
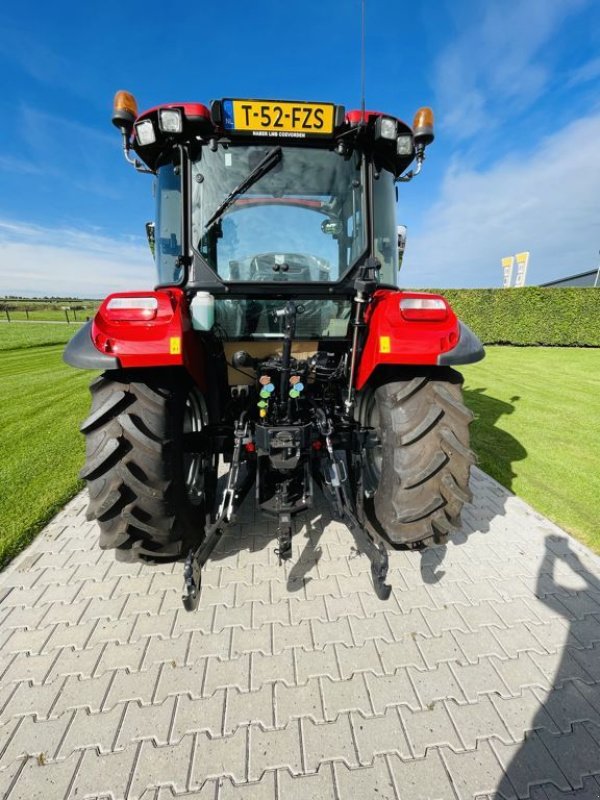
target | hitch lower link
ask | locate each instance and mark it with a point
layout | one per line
(236, 489)
(336, 487)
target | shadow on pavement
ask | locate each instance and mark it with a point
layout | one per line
(563, 738)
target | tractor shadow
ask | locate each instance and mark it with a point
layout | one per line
(497, 452)
(565, 728)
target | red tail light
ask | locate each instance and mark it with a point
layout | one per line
(131, 309)
(422, 307)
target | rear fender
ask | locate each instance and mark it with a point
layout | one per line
(395, 340)
(125, 339)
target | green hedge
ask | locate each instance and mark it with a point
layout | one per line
(533, 315)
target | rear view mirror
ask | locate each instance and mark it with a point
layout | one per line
(401, 243)
(331, 226)
(151, 236)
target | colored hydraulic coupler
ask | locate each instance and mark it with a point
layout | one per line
(267, 389)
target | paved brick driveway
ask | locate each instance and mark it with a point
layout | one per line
(481, 674)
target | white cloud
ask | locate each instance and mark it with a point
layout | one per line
(495, 60)
(36, 260)
(547, 202)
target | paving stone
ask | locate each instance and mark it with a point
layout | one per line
(272, 749)
(373, 781)
(445, 619)
(167, 766)
(436, 684)
(269, 669)
(520, 672)
(576, 753)
(192, 715)
(432, 727)
(527, 764)
(249, 708)
(523, 714)
(519, 638)
(566, 666)
(377, 627)
(146, 722)
(391, 690)
(480, 721)
(478, 679)
(122, 686)
(288, 636)
(421, 779)
(438, 650)
(476, 772)
(221, 756)
(293, 702)
(480, 644)
(332, 741)
(318, 786)
(346, 695)
(379, 735)
(341, 607)
(311, 608)
(36, 782)
(317, 663)
(250, 641)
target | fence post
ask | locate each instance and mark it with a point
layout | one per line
(27, 314)
(67, 315)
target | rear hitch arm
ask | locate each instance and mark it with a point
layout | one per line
(337, 491)
(236, 489)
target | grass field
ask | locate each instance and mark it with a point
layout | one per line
(42, 403)
(537, 430)
(23, 335)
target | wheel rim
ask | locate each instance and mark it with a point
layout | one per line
(194, 464)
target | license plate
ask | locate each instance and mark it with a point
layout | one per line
(274, 118)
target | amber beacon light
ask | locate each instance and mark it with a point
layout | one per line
(125, 110)
(423, 126)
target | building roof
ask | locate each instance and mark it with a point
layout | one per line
(571, 277)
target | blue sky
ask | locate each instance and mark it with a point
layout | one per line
(514, 84)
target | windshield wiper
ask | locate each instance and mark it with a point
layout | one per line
(264, 165)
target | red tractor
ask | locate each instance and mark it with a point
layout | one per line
(276, 340)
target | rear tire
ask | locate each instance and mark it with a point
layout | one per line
(148, 496)
(418, 472)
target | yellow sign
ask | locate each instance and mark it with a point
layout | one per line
(385, 346)
(279, 118)
(175, 346)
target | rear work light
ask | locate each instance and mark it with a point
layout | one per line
(169, 120)
(404, 146)
(386, 128)
(131, 309)
(144, 132)
(423, 308)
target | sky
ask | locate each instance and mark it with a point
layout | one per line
(514, 85)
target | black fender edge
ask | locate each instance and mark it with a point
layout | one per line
(468, 350)
(80, 352)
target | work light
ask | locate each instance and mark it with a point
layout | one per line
(404, 145)
(145, 132)
(169, 120)
(386, 128)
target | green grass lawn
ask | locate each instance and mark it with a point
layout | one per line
(15, 335)
(42, 403)
(538, 429)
